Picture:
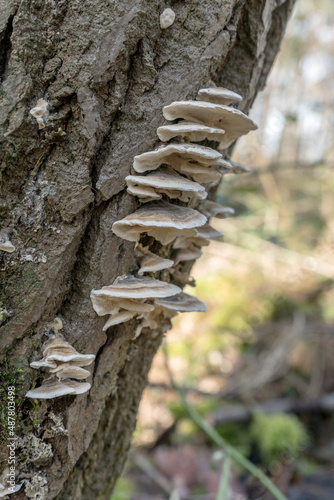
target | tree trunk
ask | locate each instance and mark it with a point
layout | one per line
(106, 69)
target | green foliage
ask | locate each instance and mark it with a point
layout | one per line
(278, 435)
(123, 490)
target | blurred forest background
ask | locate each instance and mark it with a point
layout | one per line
(259, 366)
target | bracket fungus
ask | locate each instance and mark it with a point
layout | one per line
(187, 254)
(167, 18)
(161, 220)
(208, 232)
(164, 181)
(190, 132)
(56, 388)
(150, 262)
(64, 362)
(200, 174)
(182, 303)
(40, 112)
(175, 154)
(126, 297)
(219, 95)
(7, 246)
(237, 168)
(213, 209)
(234, 122)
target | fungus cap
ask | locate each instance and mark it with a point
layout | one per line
(208, 232)
(175, 154)
(118, 318)
(199, 173)
(57, 349)
(183, 303)
(237, 168)
(66, 370)
(234, 122)
(142, 192)
(77, 387)
(131, 287)
(213, 209)
(50, 390)
(7, 246)
(184, 243)
(165, 181)
(187, 254)
(190, 132)
(161, 220)
(218, 95)
(151, 263)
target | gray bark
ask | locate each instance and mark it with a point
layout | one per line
(106, 69)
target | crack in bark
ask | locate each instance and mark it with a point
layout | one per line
(5, 45)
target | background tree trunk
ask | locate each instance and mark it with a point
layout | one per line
(106, 69)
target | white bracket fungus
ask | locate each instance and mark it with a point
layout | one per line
(127, 296)
(164, 181)
(234, 122)
(175, 154)
(219, 95)
(182, 303)
(190, 132)
(64, 362)
(150, 262)
(167, 18)
(40, 112)
(5, 244)
(213, 209)
(164, 221)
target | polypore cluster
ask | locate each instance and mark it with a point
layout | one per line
(172, 183)
(65, 366)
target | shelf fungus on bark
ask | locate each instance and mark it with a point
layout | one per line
(149, 262)
(175, 154)
(182, 303)
(189, 131)
(164, 181)
(213, 209)
(126, 298)
(219, 95)
(40, 112)
(5, 244)
(54, 388)
(237, 168)
(187, 254)
(161, 220)
(234, 122)
(65, 363)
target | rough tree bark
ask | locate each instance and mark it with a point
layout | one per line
(106, 69)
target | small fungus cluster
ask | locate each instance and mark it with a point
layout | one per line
(40, 112)
(171, 184)
(65, 365)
